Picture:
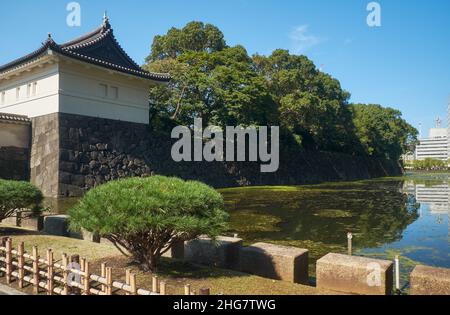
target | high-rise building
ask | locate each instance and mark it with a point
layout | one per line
(436, 146)
(448, 129)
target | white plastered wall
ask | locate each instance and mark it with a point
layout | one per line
(74, 87)
(43, 102)
(82, 92)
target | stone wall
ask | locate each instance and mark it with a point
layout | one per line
(94, 151)
(14, 163)
(72, 154)
(44, 159)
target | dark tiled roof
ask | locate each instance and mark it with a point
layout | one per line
(99, 47)
(14, 118)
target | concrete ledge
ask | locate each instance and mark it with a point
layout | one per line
(26, 221)
(222, 254)
(430, 281)
(353, 274)
(276, 262)
(176, 252)
(57, 225)
(13, 221)
(31, 223)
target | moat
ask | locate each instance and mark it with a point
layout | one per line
(407, 216)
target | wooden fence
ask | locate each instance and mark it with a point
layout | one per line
(70, 275)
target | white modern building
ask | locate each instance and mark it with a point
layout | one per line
(435, 146)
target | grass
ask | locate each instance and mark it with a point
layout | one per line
(175, 273)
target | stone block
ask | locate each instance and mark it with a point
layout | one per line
(12, 221)
(353, 274)
(176, 252)
(223, 253)
(57, 225)
(34, 223)
(276, 262)
(89, 236)
(427, 280)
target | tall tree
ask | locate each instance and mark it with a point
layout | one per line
(195, 36)
(217, 83)
(312, 103)
(225, 86)
(382, 131)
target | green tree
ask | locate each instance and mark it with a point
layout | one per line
(145, 217)
(382, 131)
(16, 196)
(225, 86)
(312, 103)
(209, 80)
(220, 87)
(195, 36)
(430, 164)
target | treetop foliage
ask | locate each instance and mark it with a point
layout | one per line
(223, 85)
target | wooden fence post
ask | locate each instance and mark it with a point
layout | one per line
(50, 272)
(109, 280)
(127, 279)
(3, 244)
(163, 288)
(204, 291)
(87, 278)
(155, 281)
(8, 262)
(75, 259)
(35, 270)
(21, 263)
(103, 275)
(133, 284)
(65, 263)
(187, 289)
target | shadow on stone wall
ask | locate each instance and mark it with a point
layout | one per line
(14, 163)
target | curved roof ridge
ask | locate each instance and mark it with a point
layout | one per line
(83, 38)
(49, 43)
(76, 49)
(124, 52)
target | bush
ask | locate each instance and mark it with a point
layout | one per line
(15, 196)
(145, 217)
(430, 164)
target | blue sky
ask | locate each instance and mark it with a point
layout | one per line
(404, 64)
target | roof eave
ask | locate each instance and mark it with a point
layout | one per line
(46, 57)
(65, 56)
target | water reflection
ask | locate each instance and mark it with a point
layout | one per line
(388, 217)
(434, 195)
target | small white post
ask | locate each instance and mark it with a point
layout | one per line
(349, 243)
(397, 273)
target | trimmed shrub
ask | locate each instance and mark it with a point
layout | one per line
(16, 196)
(145, 217)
